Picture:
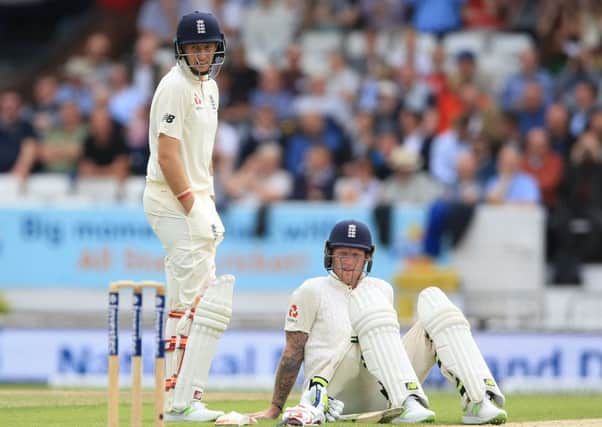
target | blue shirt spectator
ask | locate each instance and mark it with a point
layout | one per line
(437, 16)
(510, 185)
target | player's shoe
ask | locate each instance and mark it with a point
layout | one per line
(414, 412)
(195, 412)
(484, 412)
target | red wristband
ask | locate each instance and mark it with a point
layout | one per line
(184, 194)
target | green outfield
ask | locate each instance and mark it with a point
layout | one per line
(33, 406)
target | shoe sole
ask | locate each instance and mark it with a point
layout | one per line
(497, 420)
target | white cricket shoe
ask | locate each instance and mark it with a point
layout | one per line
(414, 412)
(196, 411)
(484, 412)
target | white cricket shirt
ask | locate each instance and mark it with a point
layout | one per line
(185, 108)
(319, 307)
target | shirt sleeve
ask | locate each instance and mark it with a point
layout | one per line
(171, 105)
(302, 310)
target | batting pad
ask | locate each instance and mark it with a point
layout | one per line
(458, 356)
(211, 318)
(375, 321)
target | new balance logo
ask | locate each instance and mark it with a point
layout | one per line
(200, 26)
(168, 118)
(351, 231)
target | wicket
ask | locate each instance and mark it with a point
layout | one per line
(113, 320)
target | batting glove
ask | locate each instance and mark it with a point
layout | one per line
(335, 410)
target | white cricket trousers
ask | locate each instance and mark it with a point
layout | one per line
(190, 241)
(360, 390)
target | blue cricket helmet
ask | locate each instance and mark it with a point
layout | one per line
(199, 27)
(350, 234)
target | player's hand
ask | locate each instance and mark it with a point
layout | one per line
(187, 204)
(268, 414)
(335, 410)
(302, 415)
(316, 394)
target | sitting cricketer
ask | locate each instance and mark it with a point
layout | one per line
(344, 329)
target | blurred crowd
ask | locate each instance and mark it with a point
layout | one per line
(445, 103)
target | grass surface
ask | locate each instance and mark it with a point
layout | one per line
(34, 406)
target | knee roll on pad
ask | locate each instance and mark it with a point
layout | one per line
(375, 322)
(459, 357)
(211, 319)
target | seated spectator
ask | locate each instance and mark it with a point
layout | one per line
(272, 93)
(61, 146)
(264, 128)
(317, 177)
(74, 88)
(417, 95)
(579, 67)
(261, 180)
(531, 110)
(44, 112)
(409, 184)
(17, 138)
(543, 164)
(437, 16)
(146, 70)
(577, 219)
(450, 215)
(530, 72)
(585, 102)
(359, 186)
(557, 126)
(467, 71)
(482, 149)
(136, 134)
(105, 153)
(510, 185)
(445, 149)
(414, 138)
(314, 129)
(269, 27)
(124, 99)
(95, 64)
(387, 107)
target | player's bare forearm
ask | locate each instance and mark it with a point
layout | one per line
(170, 162)
(288, 368)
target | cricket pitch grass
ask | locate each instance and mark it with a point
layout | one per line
(35, 406)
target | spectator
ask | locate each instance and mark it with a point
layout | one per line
(483, 153)
(414, 138)
(557, 125)
(388, 106)
(105, 153)
(362, 133)
(577, 220)
(74, 88)
(585, 102)
(317, 178)
(380, 153)
(580, 67)
(314, 129)
(264, 128)
(483, 115)
(146, 70)
(513, 92)
(17, 138)
(450, 215)
(124, 99)
(61, 146)
(483, 14)
(437, 16)
(416, 94)
(271, 92)
(532, 110)
(405, 47)
(44, 113)
(543, 164)
(343, 82)
(261, 180)
(95, 65)
(510, 185)
(359, 186)
(292, 71)
(244, 79)
(409, 184)
(269, 27)
(137, 140)
(445, 150)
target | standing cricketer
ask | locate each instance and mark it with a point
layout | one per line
(179, 205)
(344, 329)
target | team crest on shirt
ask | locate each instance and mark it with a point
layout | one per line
(293, 313)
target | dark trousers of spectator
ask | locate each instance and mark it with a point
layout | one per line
(578, 239)
(446, 220)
